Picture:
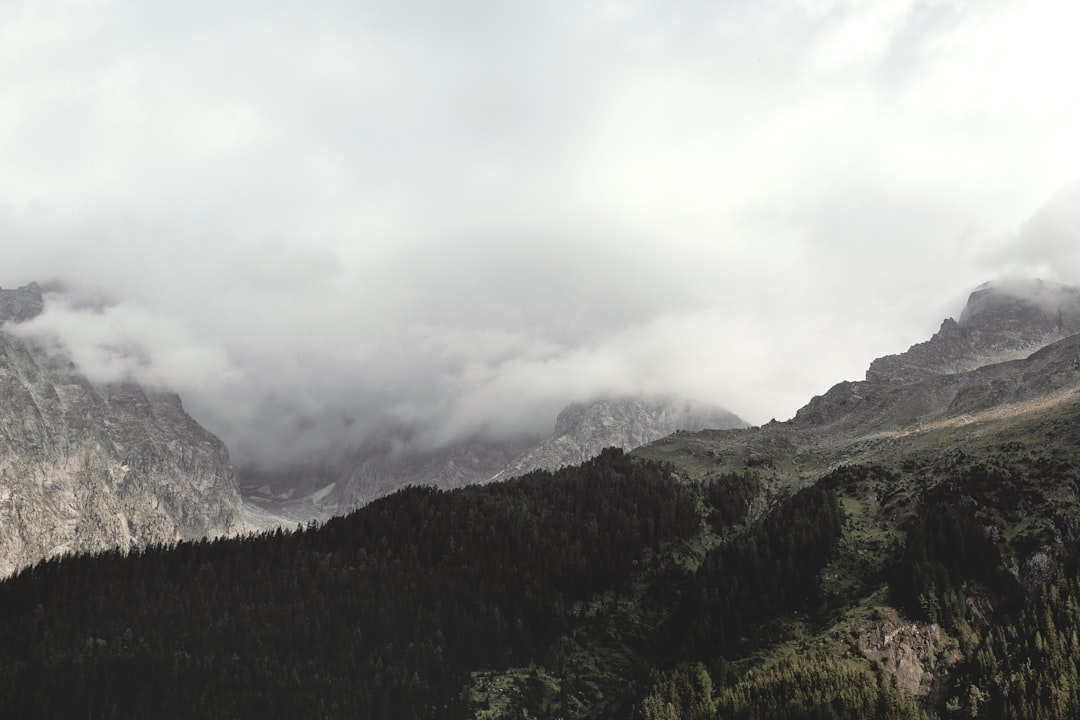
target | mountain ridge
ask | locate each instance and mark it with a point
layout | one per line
(1001, 321)
(583, 429)
(894, 410)
(87, 466)
(905, 548)
(388, 463)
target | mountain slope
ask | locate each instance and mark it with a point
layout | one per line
(87, 467)
(582, 430)
(381, 468)
(855, 420)
(1002, 321)
(944, 455)
(393, 461)
(318, 491)
(906, 548)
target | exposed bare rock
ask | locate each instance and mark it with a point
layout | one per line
(887, 416)
(1038, 568)
(87, 467)
(918, 656)
(1001, 321)
(582, 430)
(1013, 342)
(21, 304)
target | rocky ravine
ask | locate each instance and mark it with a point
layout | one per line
(87, 467)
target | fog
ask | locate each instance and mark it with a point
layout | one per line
(315, 221)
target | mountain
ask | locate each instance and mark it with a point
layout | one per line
(383, 465)
(1002, 321)
(582, 430)
(966, 375)
(89, 467)
(394, 461)
(382, 468)
(972, 439)
(907, 547)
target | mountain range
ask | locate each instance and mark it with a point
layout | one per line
(906, 546)
(390, 462)
(90, 466)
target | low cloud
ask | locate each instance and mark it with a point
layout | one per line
(1047, 244)
(316, 222)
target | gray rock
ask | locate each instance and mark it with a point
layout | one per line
(1001, 322)
(582, 430)
(21, 304)
(88, 467)
(1013, 342)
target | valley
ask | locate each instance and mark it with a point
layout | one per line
(906, 546)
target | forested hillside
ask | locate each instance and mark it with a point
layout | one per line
(617, 589)
(380, 614)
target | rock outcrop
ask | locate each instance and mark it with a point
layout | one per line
(582, 430)
(916, 655)
(1001, 321)
(1013, 342)
(89, 467)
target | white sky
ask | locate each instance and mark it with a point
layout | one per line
(309, 218)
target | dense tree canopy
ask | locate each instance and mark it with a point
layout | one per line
(378, 614)
(611, 590)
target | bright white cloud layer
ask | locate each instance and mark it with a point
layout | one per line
(310, 219)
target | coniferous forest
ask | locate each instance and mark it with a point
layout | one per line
(380, 614)
(616, 589)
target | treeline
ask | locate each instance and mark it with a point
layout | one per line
(380, 614)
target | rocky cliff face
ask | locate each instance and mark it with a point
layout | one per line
(969, 365)
(920, 398)
(582, 430)
(916, 655)
(86, 467)
(1002, 321)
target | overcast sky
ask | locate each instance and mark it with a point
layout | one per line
(310, 217)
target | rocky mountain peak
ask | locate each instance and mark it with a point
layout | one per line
(583, 429)
(89, 467)
(21, 304)
(636, 414)
(1014, 341)
(1018, 307)
(1005, 320)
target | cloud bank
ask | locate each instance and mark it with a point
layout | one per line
(313, 221)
